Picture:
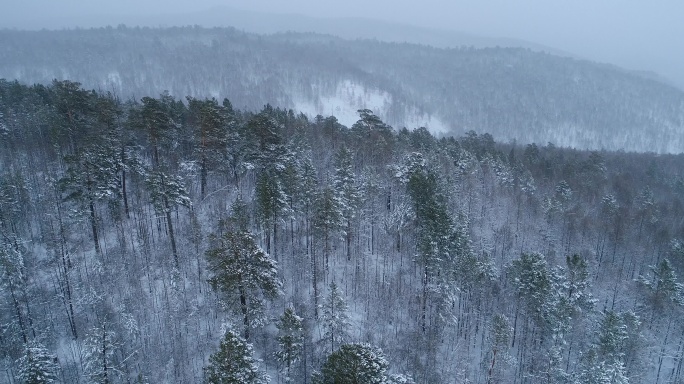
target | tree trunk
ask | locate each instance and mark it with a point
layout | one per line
(349, 239)
(167, 209)
(22, 327)
(93, 225)
(203, 176)
(424, 301)
(314, 269)
(245, 313)
(123, 182)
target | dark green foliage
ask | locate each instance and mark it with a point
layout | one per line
(233, 363)
(497, 357)
(663, 285)
(37, 365)
(532, 281)
(244, 273)
(335, 320)
(14, 200)
(354, 364)
(290, 340)
(208, 120)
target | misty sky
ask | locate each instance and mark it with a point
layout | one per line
(636, 34)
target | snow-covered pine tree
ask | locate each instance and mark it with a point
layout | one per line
(532, 282)
(37, 365)
(327, 219)
(347, 193)
(354, 363)
(335, 320)
(497, 357)
(290, 340)
(245, 274)
(210, 136)
(91, 176)
(663, 285)
(101, 346)
(233, 363)
(271, 202)
(12, 284)
(167, 192)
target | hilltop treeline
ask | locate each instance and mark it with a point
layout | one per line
(514, 94)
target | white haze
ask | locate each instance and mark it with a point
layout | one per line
(637, 35)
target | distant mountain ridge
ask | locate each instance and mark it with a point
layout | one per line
(271, 23)
(512, 93)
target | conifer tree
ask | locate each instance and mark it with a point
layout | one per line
(101, 346)
(13, 283)
(290, 340)
(499, 339)
(91, 176)
(347, 193)
(271, 201)
(37, 365)
(167, 192)
(532, 282)
(327, 219)
(335, 320)
(245, 274)
(208, 121)
(354, 363)
(663, 285)
(233, 363)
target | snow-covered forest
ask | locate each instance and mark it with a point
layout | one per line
(160, 239)
(511, 93)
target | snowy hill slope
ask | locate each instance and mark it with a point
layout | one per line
(513, 94)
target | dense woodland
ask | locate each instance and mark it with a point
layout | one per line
(155, 240)
(511, 93)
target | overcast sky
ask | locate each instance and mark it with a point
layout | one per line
(636, 34)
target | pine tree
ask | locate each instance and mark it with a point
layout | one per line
(443, 247)
(167, 192)
(74, 108)
(14, 201)
(233, 363)
(374, 137)
(208, 121)
(595, 371)
(245, 273)
(271, 201)
(499, 339)
(354, 363)
(156, 118)
(290, 340)
(91, 176)
(663, 285)
(13, 282)
(327, 219)
(101, 347)
(335, 320)
(37, 365)
(532, 282)
(578, 292)
(616, 337)
(346, 193)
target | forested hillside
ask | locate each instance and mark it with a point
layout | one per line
(153, 240)
(513, 94)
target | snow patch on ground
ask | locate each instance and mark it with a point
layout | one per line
(436, 126)
(114, 81)
(350, 96)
